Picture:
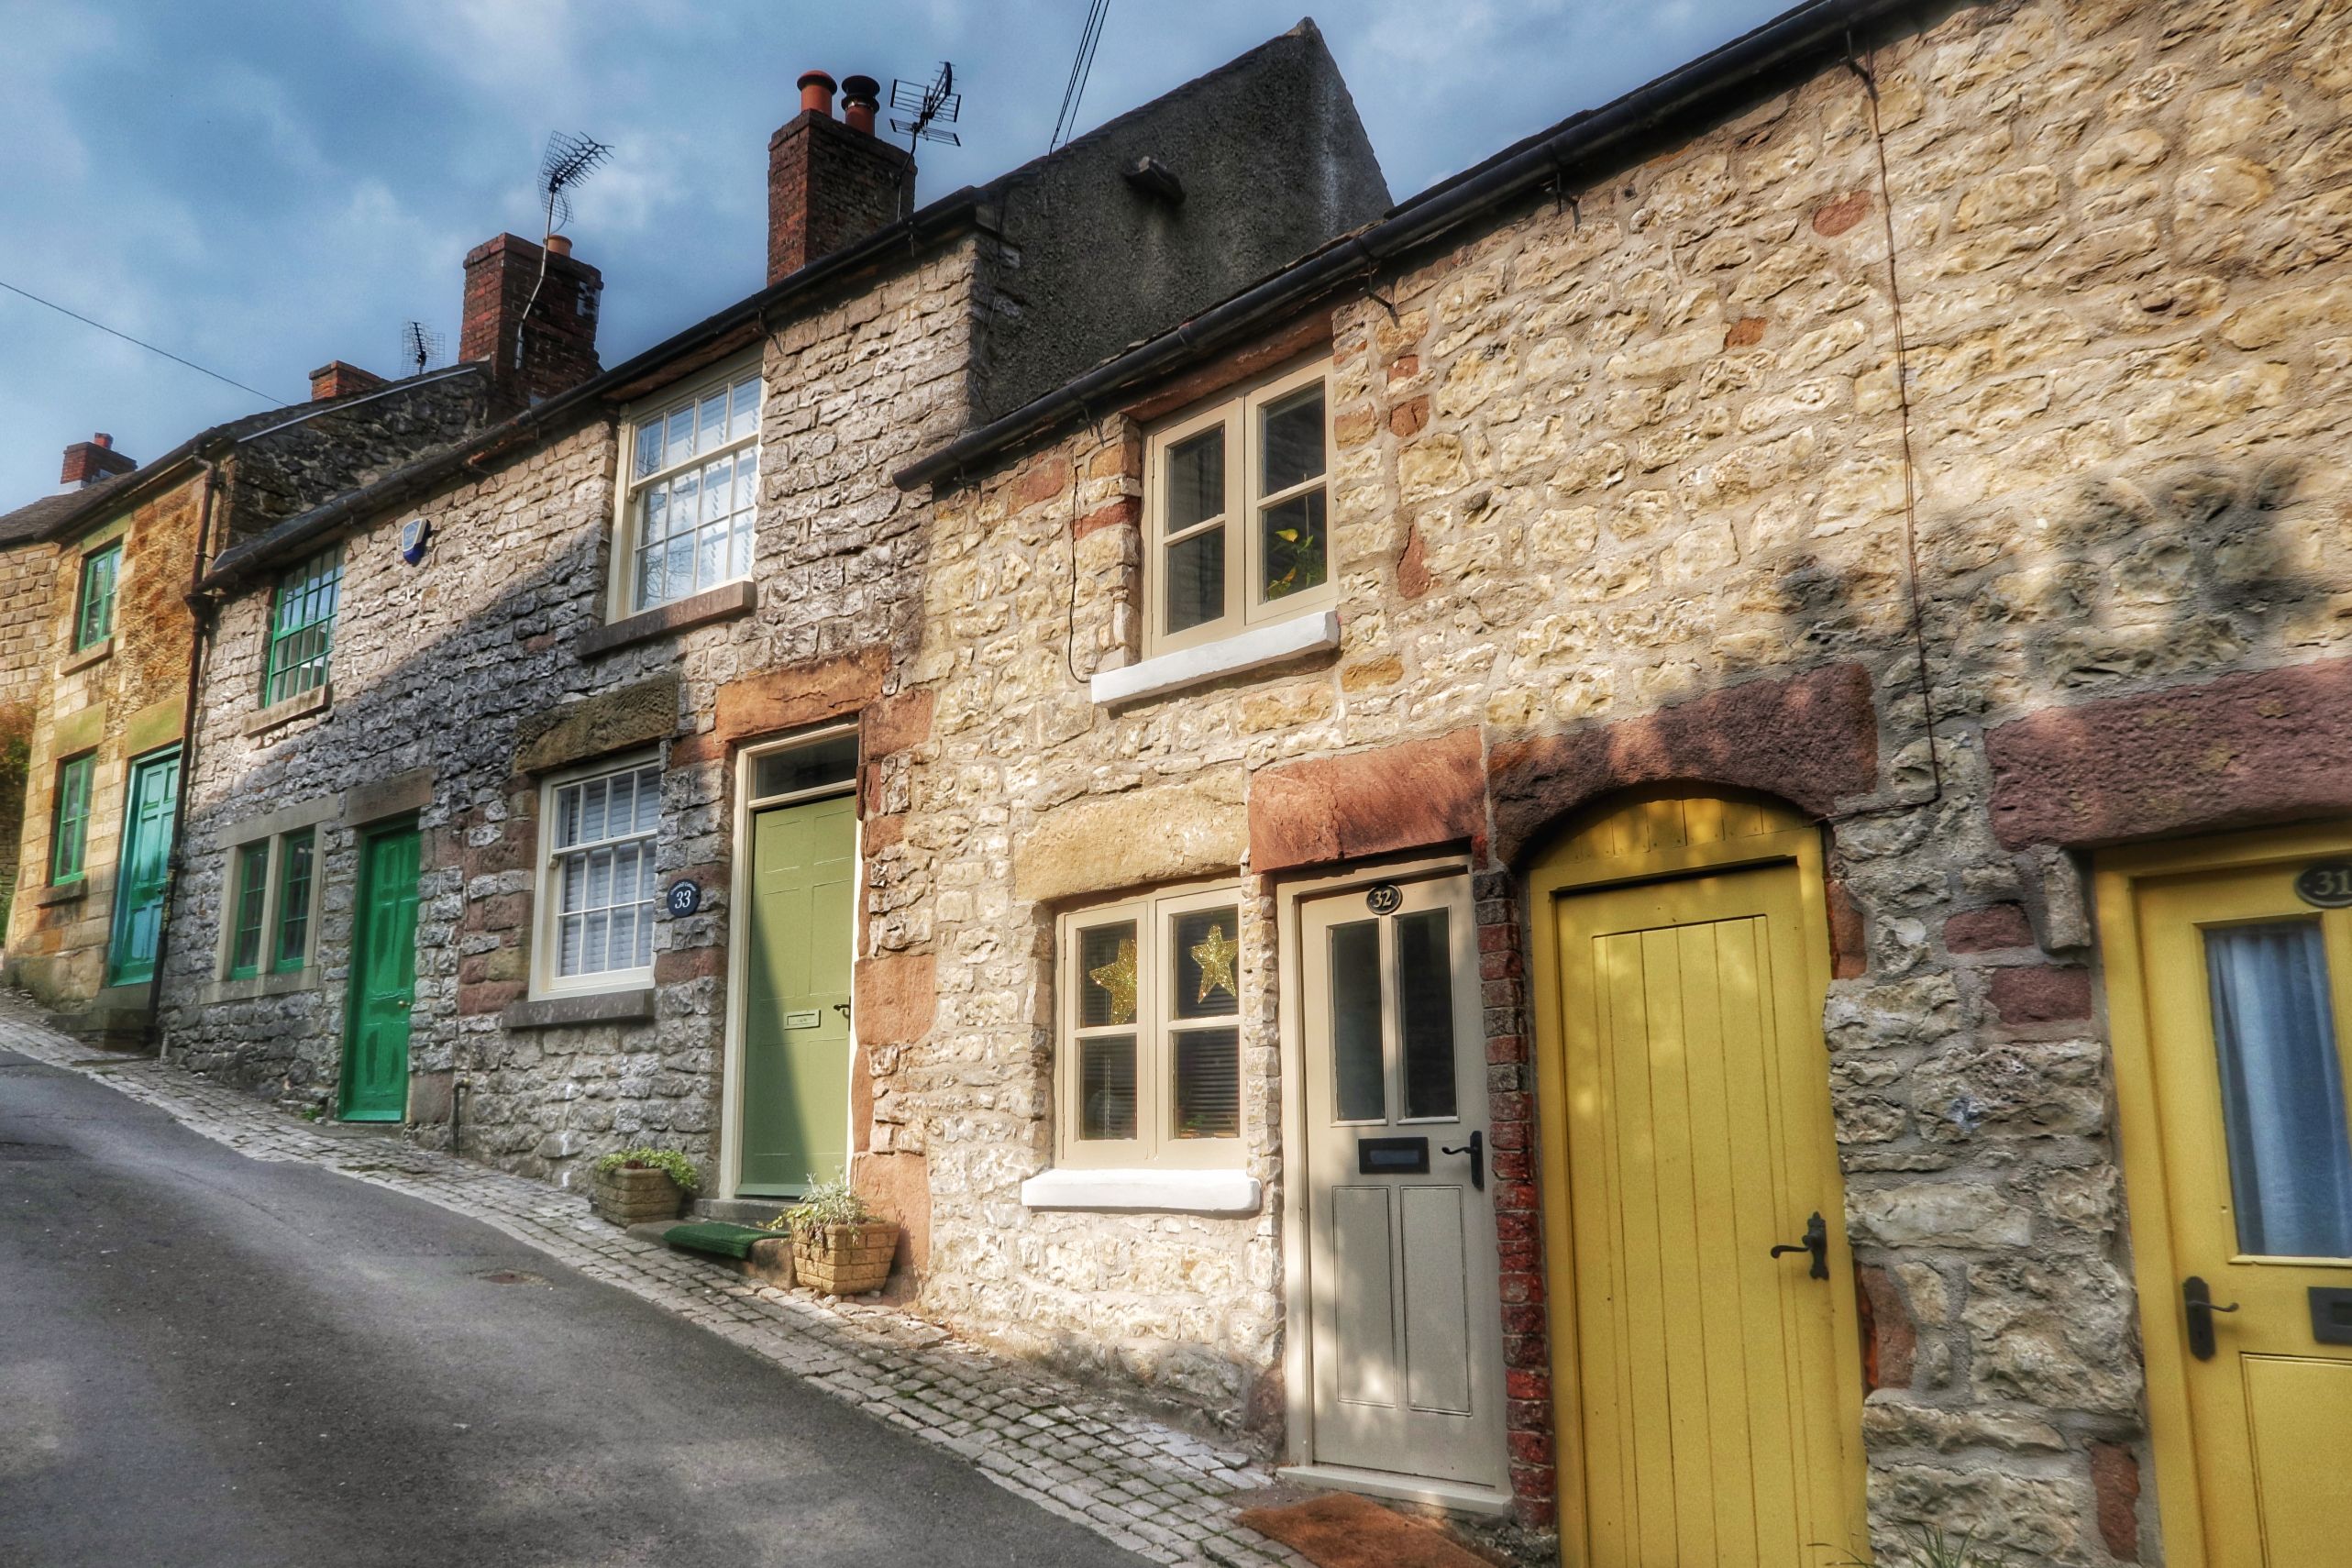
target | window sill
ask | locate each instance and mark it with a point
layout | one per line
(635, 1005)
(1251, 649)
(727, 601)
(95, 653)
(1144, 1191)
(285, 710)
(63, 892)
(275, 984)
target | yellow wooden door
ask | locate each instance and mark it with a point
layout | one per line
(2231, 1058)
(1708, 1390)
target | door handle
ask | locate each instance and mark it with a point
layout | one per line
(841, 1007)
(1816, 1241)
(1477, 1150)
(2198, 1298)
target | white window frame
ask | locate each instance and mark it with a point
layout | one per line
(627, 525)
(547, 979)
(1154, 1146)
(1246, 606)
(273, 875)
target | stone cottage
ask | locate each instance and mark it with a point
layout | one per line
(114, 646)
(1664, 843)
(599, 677)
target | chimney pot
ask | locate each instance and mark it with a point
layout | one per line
(860, 97)
(559, 245)
(816, 92)
(101, 438)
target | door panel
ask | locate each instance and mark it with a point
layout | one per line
(2246, 1008)
(143, 869)
(795, 1115)
(1404, 1319)
(1714, 1380)
(384, 979)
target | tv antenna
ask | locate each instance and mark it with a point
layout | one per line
(420, 347)
(932, 104)
(569, 158)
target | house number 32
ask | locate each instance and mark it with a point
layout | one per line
(2327, 884)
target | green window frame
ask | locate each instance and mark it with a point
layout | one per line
(68, 833)
(302, 627)
(297, 857)
(93, 612)
(252, 885)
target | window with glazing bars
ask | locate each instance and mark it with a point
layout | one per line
(252, 887)
(296, 852)
(693, 480)
(69, 837)
(602, 874)
(93, 613)
(302, 626)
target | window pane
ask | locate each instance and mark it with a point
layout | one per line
(1195, 480)
(1361, 1089)
(679, 443)
(648, 448)
(1291, 441)
(714, 423)
(2282, 1090)
(1208, 1100)
(69, 833)
(1106, 975)
(1107, 1087)
(1206, 962)
(293, 898)
(656, 518)
(1197, 580)
(653, 581)
(833, 760)
(744, 418)
(1425, 1010)
(746, 477)
(1295, 544)
(253, 873)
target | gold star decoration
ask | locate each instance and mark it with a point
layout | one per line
(1118, 978)
(1215, 957)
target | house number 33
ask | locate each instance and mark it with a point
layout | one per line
(2327, 884)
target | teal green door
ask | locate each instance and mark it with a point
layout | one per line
(796, 1021)
(143, 867)
(384, 979)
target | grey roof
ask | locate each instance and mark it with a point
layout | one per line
(27, 524)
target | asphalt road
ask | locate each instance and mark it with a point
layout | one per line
(208, 1360)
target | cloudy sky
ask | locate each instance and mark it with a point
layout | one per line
(264, 185)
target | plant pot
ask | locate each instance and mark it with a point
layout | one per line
(634, 1196)
(846, 1260)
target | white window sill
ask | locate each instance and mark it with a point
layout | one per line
(1144, 1191)
(1228, 655)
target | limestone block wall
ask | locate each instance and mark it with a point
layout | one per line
(466, 671)
(1621, 486)
(24, 573)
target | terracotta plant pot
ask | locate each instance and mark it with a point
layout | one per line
(632, 1196)
(846, 1260)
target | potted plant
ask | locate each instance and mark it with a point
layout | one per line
(634, 1186)
(838, 1246)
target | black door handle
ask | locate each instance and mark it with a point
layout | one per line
(1816, 1241)
(1477, 1150)
(2198, 1298)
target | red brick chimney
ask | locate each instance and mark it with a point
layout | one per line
(87, 462)
(336, 378)
(831, 182)
(535, 346)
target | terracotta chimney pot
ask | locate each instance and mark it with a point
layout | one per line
(816, 92)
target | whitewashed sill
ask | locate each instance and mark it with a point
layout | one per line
(1257, 647)
(1145, 1191)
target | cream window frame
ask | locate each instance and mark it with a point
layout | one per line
(1246, 605)
(274, 874)
(657, 408)
(546, 893)
(1153, 1147)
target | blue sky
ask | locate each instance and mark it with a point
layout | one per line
(263, 187)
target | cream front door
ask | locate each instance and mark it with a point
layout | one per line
(1403, 1278)
(2233, 1010)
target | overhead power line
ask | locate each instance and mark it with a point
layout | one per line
(140, 342)
(1080, 68)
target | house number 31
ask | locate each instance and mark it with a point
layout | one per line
(2327, 884)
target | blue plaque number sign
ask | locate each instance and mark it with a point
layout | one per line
(685, 896)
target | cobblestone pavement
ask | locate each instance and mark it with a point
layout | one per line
(1161, 1493)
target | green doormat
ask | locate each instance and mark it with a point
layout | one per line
(720, 1239)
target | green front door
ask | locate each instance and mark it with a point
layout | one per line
(143, 869)
(384, 979)
(796, 1021)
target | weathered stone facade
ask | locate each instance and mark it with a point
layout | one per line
(1625, 493)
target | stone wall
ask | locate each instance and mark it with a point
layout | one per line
(469, 671)
(24, 574)
(1627, 489)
